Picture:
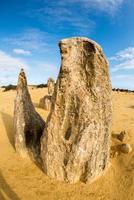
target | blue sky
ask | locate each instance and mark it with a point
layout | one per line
(30, 32)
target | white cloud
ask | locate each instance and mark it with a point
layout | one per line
(74, 13)
(123, 81)
(9, 68)
(63, 18)
(47, 70)
(122, 68)
(122, 76)
(123, 60)
(8, 62)
(22, 52)
(30, 40)
(122, 55)
(108, 6)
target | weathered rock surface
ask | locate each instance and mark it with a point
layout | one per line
(125, 148)
(75, 143)
(119, 136)
(116, 150)
(28, 125)
(50, 85)
(45, 102)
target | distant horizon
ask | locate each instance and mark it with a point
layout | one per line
(31, 30)
(55, 82)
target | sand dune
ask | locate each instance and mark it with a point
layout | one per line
(22, 180)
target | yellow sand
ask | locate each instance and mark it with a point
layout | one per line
(22, 179)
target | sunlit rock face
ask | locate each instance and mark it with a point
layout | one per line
(28, 125)
(45, 102)
(76, 140)
(50, 85)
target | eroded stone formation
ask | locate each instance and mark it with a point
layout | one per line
(50, 85)
(28, 125)
(76, 140)
(46, 101)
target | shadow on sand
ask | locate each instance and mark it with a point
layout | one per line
(132, 106)
(36, 105)
(5, 190)
(8, 123)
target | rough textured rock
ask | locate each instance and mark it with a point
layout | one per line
(119, 136)
(125, 148)
(116, 150)
(28, 125)
(50, 85)
(75, 143)
(45, 102)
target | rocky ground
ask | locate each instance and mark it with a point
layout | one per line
(21, 179)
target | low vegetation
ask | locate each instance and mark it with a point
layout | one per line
(9, 87)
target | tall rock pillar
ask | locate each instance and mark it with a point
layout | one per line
(28, 125)
(76, 140)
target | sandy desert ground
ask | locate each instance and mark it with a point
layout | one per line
(20, 179)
